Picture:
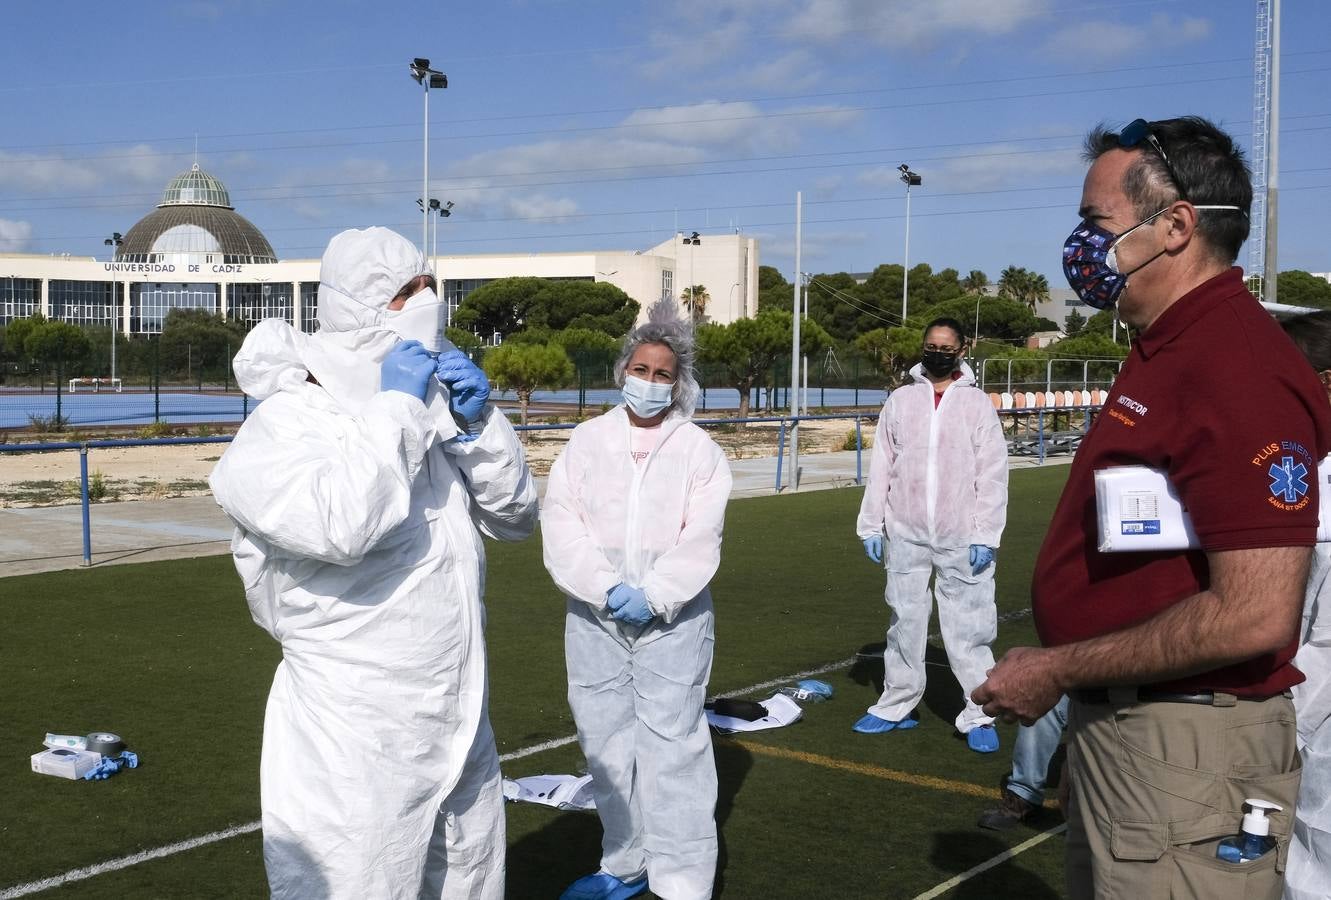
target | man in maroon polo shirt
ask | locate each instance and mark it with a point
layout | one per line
(1177, 662)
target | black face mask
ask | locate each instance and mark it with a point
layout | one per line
(937, 363)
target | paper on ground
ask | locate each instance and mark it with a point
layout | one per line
(559, 791)
(781, 711)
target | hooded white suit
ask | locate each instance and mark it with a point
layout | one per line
(937, 484)
(358, 541)
(637, 693)
(1308, 872)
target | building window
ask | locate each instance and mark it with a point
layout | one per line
(251, 303)
(667, 283)
(309, 306)
(20, 298)
(149, 303)
(83, 303)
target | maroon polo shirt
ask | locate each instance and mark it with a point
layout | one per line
(1217, 396)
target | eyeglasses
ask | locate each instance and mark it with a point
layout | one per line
(1139, 130)
(934, 348)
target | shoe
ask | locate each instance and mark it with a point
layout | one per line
(871, 724)
(603, 886)
(983, 739)
(1011, 811)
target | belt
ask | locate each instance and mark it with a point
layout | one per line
(1146, 695)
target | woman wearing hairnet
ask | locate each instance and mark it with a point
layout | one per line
(1308, 871)
(631, 525)
(360, 493)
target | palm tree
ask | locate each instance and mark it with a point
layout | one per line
(975, 282)
(1023, 286)
(695, 301)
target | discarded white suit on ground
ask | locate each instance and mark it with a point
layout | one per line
(937, 484)
(358, 541)
(1308, 871)
(637, 693)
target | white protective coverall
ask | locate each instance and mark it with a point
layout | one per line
(637, 693)
(937, 484)
(1308, 871)
(358, 541)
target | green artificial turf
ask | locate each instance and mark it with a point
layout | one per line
(165, 654)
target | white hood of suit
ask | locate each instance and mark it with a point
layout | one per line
(361, 271)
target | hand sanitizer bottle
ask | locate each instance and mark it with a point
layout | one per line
(1255, 838)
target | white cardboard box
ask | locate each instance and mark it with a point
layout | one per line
(64, 762)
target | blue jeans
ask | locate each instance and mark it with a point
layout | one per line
(1034, 747)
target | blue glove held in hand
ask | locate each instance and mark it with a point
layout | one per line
(468, 388)
(873, 548)
(981, 557)
(629, 604)
(407, 368)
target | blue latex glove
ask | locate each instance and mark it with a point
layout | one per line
(981, 557)
(468, 388)
(873, 548)
(629, 604)
(620, 594)
(407, 368)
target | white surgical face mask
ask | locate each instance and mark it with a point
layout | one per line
(646, 398)
(421, 318)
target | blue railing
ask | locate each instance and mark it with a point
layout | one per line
(1041, 438)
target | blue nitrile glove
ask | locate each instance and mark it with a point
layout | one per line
(981, 557)
(407, 368)
(468, 388)
(629, 604)
(873, 548)
(618, 595)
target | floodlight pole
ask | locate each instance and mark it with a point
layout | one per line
(909, 178)
(795, 346)
(426, 78)
(114, 241)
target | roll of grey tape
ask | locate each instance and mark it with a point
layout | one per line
(105, 743)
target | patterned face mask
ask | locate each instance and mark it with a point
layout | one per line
(1090, 263)
(1090, 260)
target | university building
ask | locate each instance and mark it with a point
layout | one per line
(194, 251)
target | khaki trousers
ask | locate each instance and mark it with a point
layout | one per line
(1157, 785)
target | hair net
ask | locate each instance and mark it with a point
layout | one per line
(664, 326)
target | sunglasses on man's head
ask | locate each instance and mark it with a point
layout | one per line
(1139, 131)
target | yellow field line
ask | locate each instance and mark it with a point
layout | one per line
(845, 765)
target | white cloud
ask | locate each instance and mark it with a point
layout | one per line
(137, 167)
(909, 24)
(1102, 41)
(14, 236)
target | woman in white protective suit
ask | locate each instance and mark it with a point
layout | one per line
(938, 491)
(631, 525)
(1308, 870)
(360, 493)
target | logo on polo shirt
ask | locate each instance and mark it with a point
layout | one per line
(1287, 473)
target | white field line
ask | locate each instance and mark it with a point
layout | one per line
(990, 863)
(124, 862)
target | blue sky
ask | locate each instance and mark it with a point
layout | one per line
(603, 125)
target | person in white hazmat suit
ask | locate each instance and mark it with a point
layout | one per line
(938, 491)
(1308, 869)
(631, 525)
(360, 492)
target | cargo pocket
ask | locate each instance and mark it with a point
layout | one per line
(1184, 866)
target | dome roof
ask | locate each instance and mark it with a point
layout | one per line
(196, 188)
(195, 219)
